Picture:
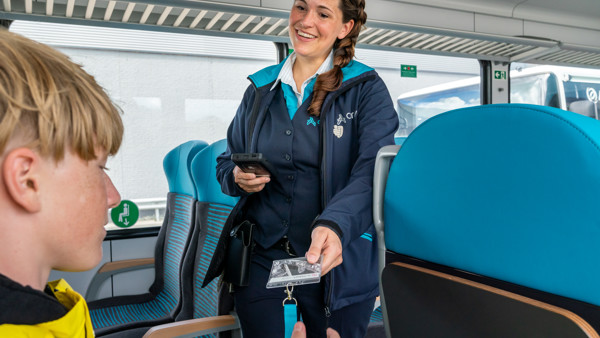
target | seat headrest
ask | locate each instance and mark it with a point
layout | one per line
(177, 164)
(510, 191)
(204, 174)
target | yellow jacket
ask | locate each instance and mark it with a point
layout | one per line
(76, 323)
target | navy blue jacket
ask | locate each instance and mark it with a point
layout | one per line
(356, 121)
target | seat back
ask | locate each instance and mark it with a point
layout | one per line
(212, 209)
(174, 237)
(398, 140)
(505, 191)
(163, 301)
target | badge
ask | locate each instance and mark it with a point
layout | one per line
(294, 271)
(338, 131)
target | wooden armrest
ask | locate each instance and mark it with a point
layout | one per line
(112, 268)
(124, 264)
(194, 327)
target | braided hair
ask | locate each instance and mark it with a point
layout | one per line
(343, 54)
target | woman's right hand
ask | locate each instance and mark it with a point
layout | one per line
(248, 181)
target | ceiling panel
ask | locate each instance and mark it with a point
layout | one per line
(241, 21)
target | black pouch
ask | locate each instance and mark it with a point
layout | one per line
(239, 254)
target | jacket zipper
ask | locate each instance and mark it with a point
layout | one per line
(328, 302)
(324, 176)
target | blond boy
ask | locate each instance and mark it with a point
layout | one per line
(57, 128)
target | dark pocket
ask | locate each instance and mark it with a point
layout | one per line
(239, 254)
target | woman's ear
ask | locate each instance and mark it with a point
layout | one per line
(20, 172)
(346, 28)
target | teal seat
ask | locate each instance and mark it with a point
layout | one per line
(120, 316)
(506, 193)
(399, 140)
(212, 209)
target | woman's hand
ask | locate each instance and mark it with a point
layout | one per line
(326, 242)
(248, 181)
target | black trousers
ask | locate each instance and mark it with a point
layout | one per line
(260, 310)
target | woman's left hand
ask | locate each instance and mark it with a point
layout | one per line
(327, 243)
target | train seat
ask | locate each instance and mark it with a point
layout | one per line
(127, 316)
(205, 310)
(399, 140)
(487, 224)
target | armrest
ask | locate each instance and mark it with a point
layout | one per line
(384, 158)
(112, 268)
(383, 161)
(194, 327)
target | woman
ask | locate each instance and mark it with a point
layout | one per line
(319, 118)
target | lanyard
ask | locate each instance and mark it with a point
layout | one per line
(290, 312)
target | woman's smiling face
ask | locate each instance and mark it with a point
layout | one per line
(314, 26)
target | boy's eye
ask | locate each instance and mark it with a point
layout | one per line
(324, 16)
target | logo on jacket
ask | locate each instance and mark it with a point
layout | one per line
(338, 131)
(312, 121)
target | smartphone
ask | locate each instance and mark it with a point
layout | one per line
(254, 163)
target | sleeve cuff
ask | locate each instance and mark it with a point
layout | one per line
(328, 224)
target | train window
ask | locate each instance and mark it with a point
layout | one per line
(568, 88)
(432, 91)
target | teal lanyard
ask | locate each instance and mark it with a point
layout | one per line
(290, 311)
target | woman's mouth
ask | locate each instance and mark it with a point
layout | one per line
(305, 35)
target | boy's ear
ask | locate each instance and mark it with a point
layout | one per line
(21, 178)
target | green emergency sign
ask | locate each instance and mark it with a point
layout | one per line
(408, 71)
(500, 74)
(125, 214)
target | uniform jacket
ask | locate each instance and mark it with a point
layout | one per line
(73, 319)
(356, 121)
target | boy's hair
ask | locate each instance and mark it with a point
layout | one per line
(51, 104)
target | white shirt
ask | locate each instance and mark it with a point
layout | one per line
(286, 74)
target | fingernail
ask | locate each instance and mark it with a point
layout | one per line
(311, 257)
(298, 327)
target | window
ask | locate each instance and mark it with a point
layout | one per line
(568, 88)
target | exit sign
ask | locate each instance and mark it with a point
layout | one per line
(500, 75)
(408, 71)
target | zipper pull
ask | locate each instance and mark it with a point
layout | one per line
(327, 312)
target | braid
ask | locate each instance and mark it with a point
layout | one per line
(343, 54)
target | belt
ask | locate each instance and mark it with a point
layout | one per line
(284, 244)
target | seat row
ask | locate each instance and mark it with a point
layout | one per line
(195, 214)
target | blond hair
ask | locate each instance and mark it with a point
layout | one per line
(51, 103)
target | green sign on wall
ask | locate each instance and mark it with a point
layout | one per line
(408, 71)
(500, 75)
(125, 214)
